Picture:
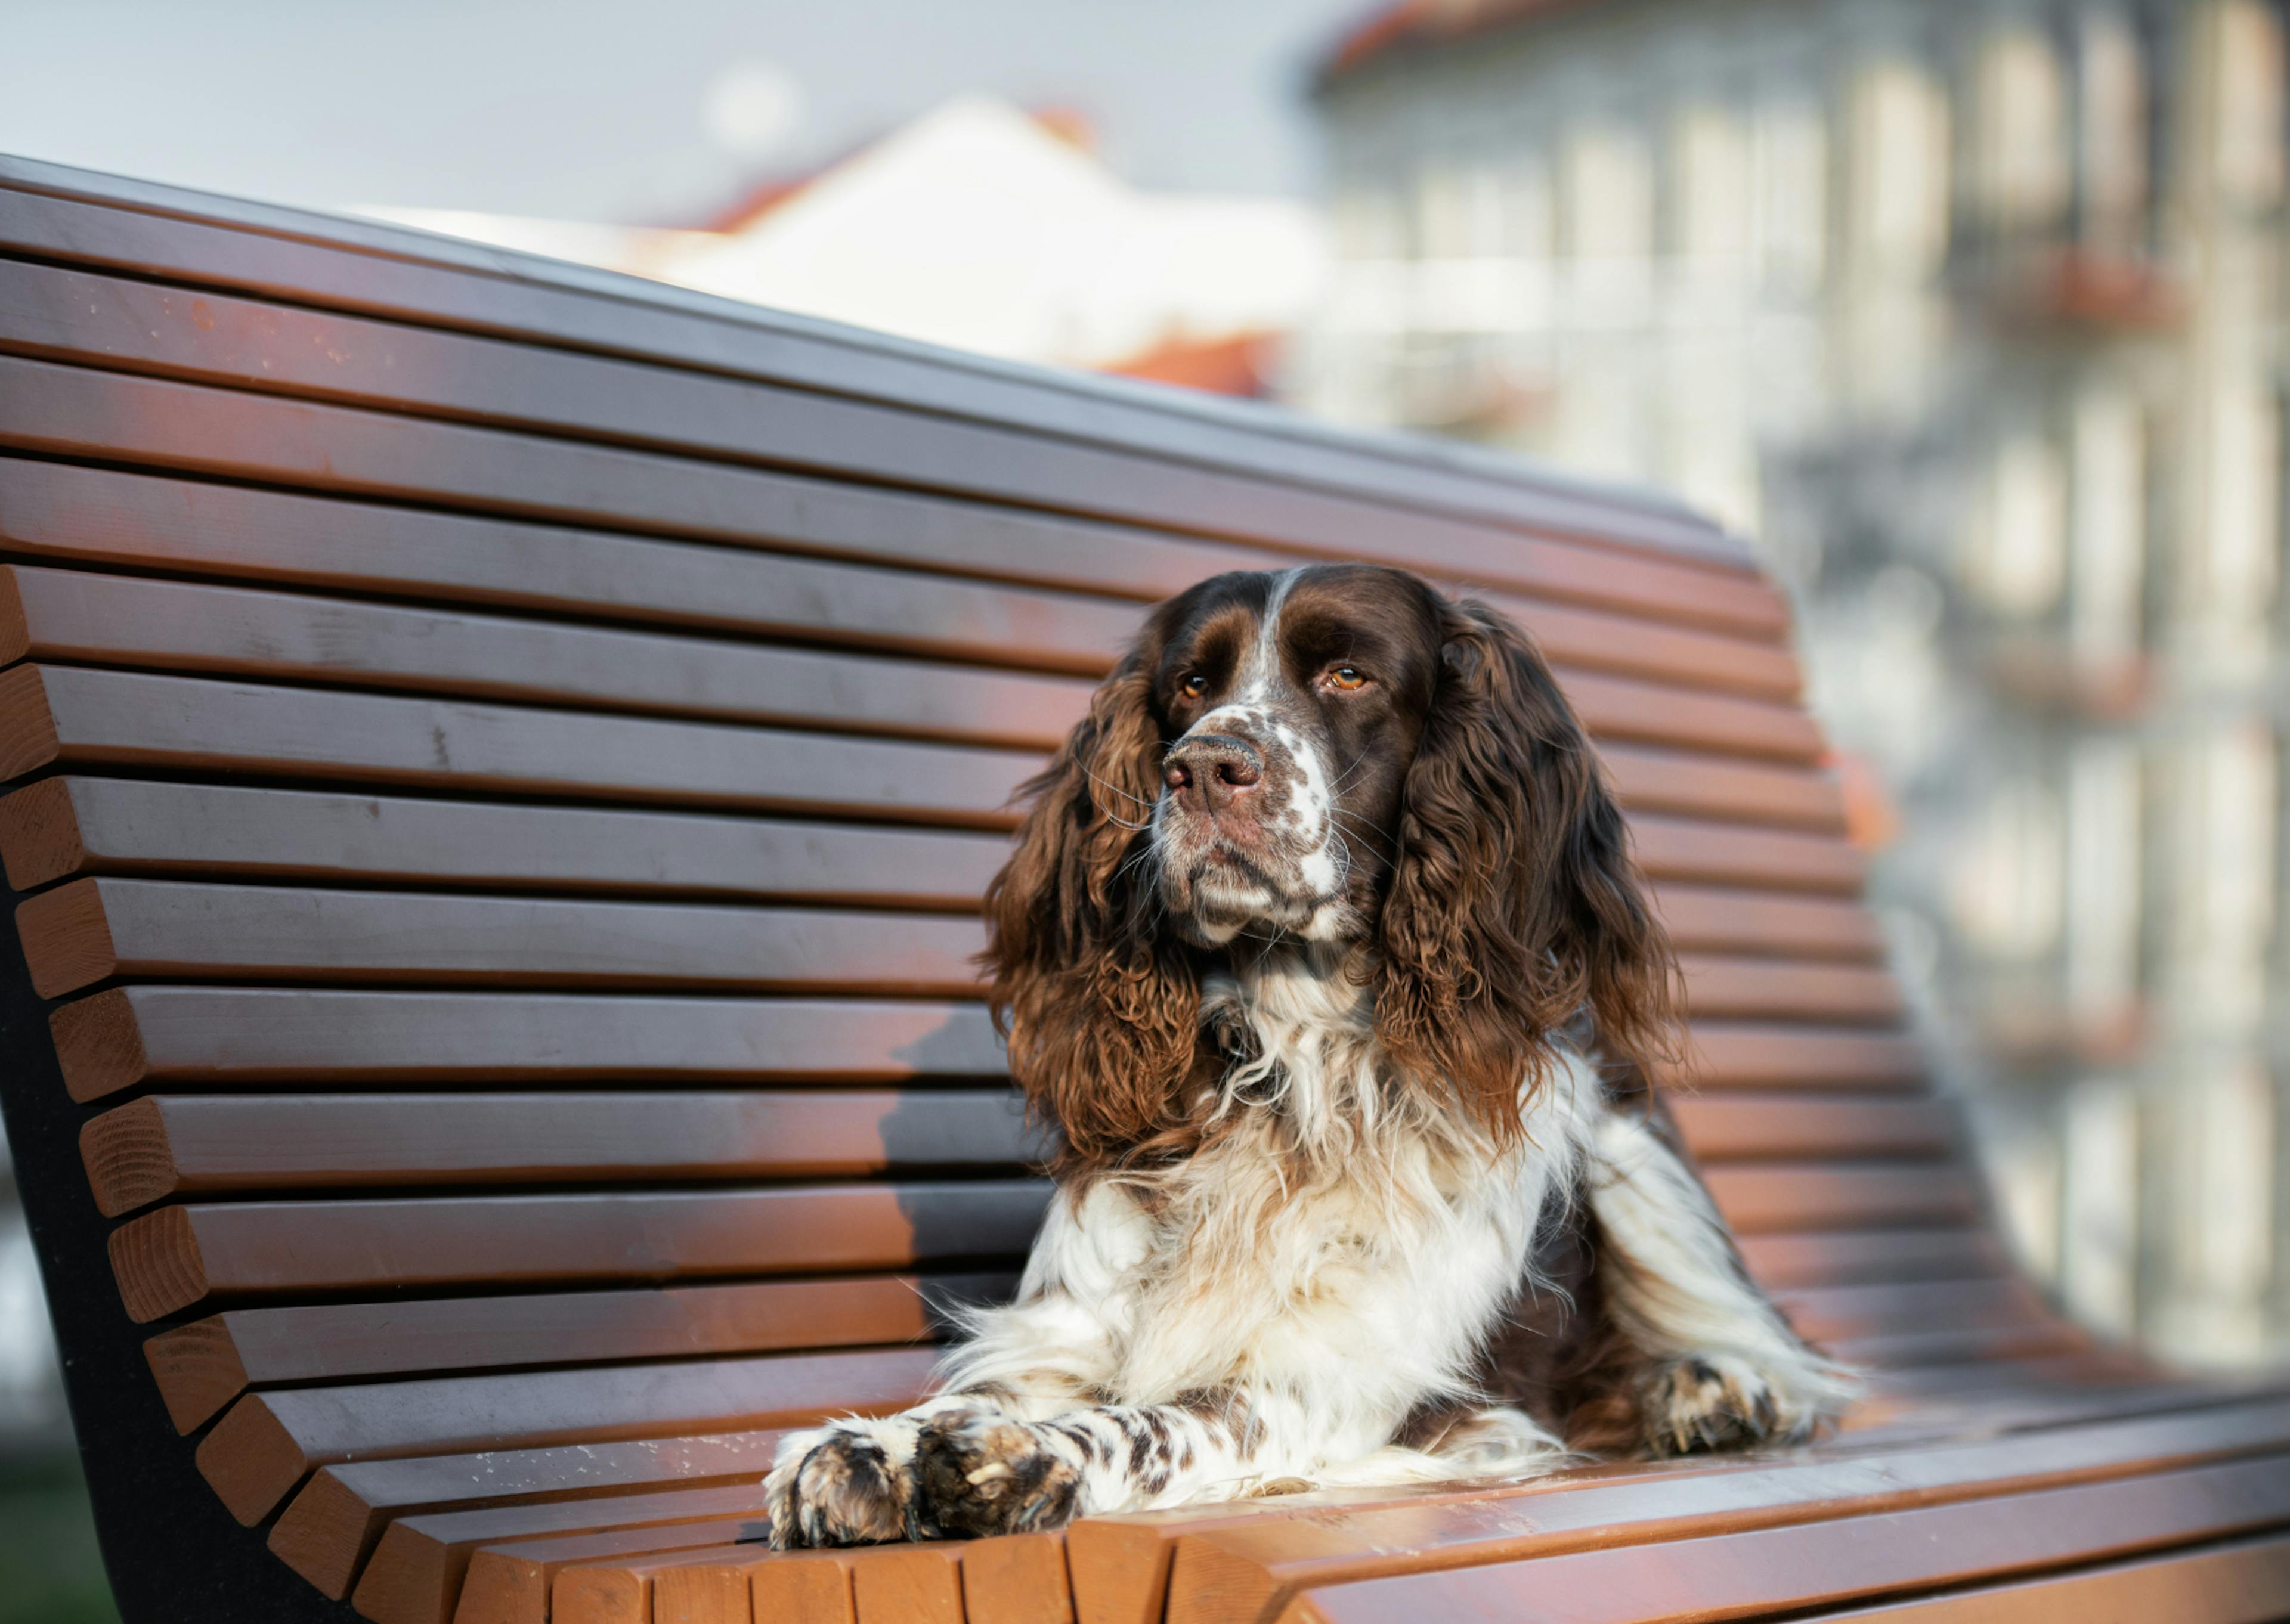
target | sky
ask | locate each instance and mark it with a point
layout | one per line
(642, 111)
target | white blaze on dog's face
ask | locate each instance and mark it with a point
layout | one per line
(1292, 702)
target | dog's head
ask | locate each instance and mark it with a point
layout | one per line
(1337, 753)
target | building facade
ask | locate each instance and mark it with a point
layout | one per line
(1971, 312)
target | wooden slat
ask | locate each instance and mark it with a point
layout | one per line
(1844, 1558)
(1839, 1257)
(270, 1442)
(157, 1147)
(90, 930)
(78, 617)
(73, 716)
(107, 518)
(913, 1584)
(59, 827)
(73, 316)
(1827, 1314)
(1454, 1544)
(1761, 1197)
(415, 1575)
(70, 717)
(257, 1036)
(1711, 919)
(215, 242)
(1754, 1054)
(205, 1364)
(1720, 787)
(2245, 1583)
(332, 1525)
(1673, 849)
(180, 1256)
(1728, 1126)
(60, 410)
(1766, 988)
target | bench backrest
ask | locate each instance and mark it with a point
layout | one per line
(505, 759)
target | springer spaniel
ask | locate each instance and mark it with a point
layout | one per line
(1323, 951)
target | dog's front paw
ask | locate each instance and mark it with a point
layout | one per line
(851, 1484)
(1715, 1401)
(981, 1475)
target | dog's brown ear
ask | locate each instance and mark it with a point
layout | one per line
(1514, 904)
(1100, 1008)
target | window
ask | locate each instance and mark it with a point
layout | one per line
(2112, 134)
(2006, 886)
(1710, 212)
(2020, 157)
(1609, 195)
(2017, 561)
(1790, 158)
(1898, 197)
(2109, 521)
(2239, 53)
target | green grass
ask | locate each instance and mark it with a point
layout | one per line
(50, 1571)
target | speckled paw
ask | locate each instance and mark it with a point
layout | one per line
(839, 1487)
(981, 1475)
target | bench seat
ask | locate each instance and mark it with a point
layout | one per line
(499, 766)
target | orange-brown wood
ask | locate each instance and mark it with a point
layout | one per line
(251, 1038)
(1839, 1559)
(911, 1584)
(179, 1256)
(1844, 1256)
(1771, 1054)
(1017, 1578)
(165, 1145)
(1748, 1123)
(2242, 1582)
(1756, 1197)
(267, 1443)
(329, 1530)
(801, 1587)
(487, 1580)
(59, 827)
(203, 1366)
(1244, 1571)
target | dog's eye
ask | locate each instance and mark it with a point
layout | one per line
(1194, 686)
(1346, 678)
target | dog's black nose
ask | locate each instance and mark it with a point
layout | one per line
(1210, 770)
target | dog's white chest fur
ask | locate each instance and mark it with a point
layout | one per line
(1334, 1241)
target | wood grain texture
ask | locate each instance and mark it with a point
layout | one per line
(203, 1366)
(89, 930)
(1438, 1552)
(74, 317)
(79, 617)
(104, 517)
(157, 1147)
(78, 716)
(267, 1443)
(2243, 1582)
(329, 1530)
(179, 1256)
(254, 1038)
(416, 1573)
(1843, 1558)
(911, 1584)
(72, 216)
(59, 827)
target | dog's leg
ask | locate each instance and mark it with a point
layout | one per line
(852, 1482)
(1718, 1364)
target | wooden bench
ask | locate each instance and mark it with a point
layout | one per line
(502, 759)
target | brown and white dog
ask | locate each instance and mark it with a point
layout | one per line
(1322, 949)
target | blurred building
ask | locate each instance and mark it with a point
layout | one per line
(991, 228)
(1970, 312)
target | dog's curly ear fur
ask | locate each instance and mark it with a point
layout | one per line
(1102, 1009)
(1515, 903)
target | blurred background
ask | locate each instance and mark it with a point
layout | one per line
(1968, 314)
